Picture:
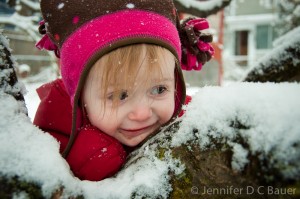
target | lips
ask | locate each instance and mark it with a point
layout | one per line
(136, 132)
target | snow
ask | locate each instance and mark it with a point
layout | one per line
(130, 5)
(60, 6)
(279, 52)
(32, 83)
(31, 4)
(31, 98)
(20, 195)
(36, 158)
(26, 23)
(268, 114)
(296, 12)
(17, 130)
(7, 70)
(287, 5)
(23, 68)
(239, 158)
(292, 37)
(201, 5)
(268, 109)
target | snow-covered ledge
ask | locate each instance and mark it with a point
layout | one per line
(268, 112)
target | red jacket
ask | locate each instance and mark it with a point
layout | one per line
(94, 155)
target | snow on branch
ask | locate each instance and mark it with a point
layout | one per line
(27, 24)
(252, 118)
(34, 5)
(8, 79)
(282, 63)
(201, 5)
(200, 8)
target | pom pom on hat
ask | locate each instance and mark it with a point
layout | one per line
(196, 47)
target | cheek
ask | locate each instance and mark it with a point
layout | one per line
(97, 120)
(166, 110)
(103, 121)
(105, 124)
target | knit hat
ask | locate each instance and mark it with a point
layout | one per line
(82, 31)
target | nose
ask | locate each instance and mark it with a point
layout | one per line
(140, 113)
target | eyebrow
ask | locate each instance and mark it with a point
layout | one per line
(153, 81)
(163, 80)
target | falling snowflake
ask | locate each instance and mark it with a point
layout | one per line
(130, 5)
(60, 6)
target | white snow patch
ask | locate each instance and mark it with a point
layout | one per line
(23, 68)
(268, 112)
(201, 5)
(239, 158)
(296, 12)
(32, 99)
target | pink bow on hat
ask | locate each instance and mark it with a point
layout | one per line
(45, 42)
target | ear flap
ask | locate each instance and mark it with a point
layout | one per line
(196, 47)
(180, 93)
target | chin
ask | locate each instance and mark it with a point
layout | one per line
(131, 143)
(134, 141)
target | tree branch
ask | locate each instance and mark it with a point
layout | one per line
(196, 11)
(281, 64)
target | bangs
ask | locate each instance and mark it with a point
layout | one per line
(118, 70)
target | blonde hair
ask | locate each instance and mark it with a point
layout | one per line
(120, 68)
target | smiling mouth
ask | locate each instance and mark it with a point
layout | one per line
(136, 132)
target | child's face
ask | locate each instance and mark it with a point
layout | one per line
(140, 111)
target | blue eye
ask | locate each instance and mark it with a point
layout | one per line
(158, 90)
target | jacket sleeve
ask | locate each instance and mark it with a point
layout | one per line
(95, 155)
(54, 113)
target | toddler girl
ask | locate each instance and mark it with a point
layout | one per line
(121, 76)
